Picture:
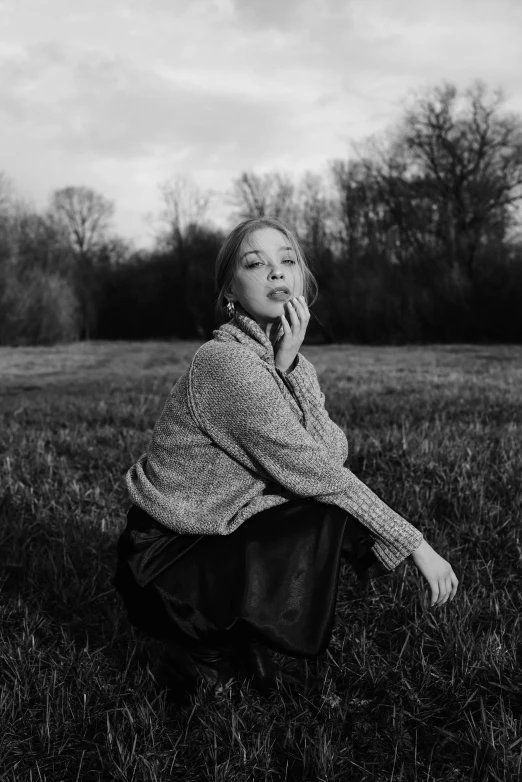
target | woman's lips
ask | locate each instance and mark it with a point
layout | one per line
(279, 295)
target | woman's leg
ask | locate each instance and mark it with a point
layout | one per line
(271, 583)
(186, 661)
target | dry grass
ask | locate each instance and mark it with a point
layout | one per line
(403, 693)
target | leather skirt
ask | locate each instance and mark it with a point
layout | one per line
(275, 577)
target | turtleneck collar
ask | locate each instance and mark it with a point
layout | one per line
(243, 328)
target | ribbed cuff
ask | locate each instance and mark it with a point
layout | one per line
(392, 557)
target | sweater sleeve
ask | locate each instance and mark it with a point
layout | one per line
(304, 376)
(238, 404)
(305, 387)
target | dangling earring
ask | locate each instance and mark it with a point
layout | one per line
(231, 310)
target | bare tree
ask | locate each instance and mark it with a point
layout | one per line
(85, 215)
(470, 158)
(410, 225)
(37, 300)
(183, 215)
(115, 251)
(269, 195)
(362, 215)
(315, 227)
(314, 212)
(184, 204)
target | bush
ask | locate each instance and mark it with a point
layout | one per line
(37, 308)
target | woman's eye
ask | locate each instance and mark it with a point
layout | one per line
(256, 263)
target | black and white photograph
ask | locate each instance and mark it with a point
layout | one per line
(260, 391)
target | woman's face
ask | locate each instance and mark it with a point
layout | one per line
(266, 261)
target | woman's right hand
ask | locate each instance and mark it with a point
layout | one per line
(437, 572)
(294, 329)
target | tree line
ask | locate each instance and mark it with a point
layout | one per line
(415, 238)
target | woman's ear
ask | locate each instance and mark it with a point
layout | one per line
(229, 294)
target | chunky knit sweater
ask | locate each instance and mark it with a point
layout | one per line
(237, 436)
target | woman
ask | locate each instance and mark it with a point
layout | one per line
(242, 505)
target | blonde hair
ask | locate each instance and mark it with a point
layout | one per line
(228, 258)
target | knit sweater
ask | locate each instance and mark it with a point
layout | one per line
(237, 436)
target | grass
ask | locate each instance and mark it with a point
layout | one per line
(404, 692)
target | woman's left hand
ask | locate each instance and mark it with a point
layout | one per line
(438, 573)
(287, 347)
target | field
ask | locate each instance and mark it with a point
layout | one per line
(404, 692)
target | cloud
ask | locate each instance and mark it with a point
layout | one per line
(272, 14)
(120, 94)
(94, 104)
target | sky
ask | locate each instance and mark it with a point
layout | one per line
(122, 95)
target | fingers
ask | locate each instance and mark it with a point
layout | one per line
(292, 313)
(300, 304)
(451, 586)
(290, 320)
(298, 311)
(286, 324)
(444, 590)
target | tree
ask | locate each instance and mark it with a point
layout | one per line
(37, 301)
(269, 195)
(184, 211)
(315, 231)
(184, 204)
(114, 252)
(469, 158)
(86, 216)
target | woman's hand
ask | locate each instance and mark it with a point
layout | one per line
(437, 572)
(287, 347)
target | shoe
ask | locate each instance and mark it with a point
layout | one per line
(258, 665)
(184, 668)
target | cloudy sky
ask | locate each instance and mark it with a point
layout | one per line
(120, 95)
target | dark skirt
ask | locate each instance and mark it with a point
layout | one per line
(274, 578)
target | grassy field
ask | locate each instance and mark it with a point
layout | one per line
(404, 692)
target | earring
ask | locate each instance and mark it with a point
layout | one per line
(231, 310)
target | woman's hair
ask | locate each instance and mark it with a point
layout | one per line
(228, 257)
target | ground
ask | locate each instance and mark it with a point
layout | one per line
(404, 692)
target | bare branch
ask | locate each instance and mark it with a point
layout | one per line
(184, 204)
(85, 213)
